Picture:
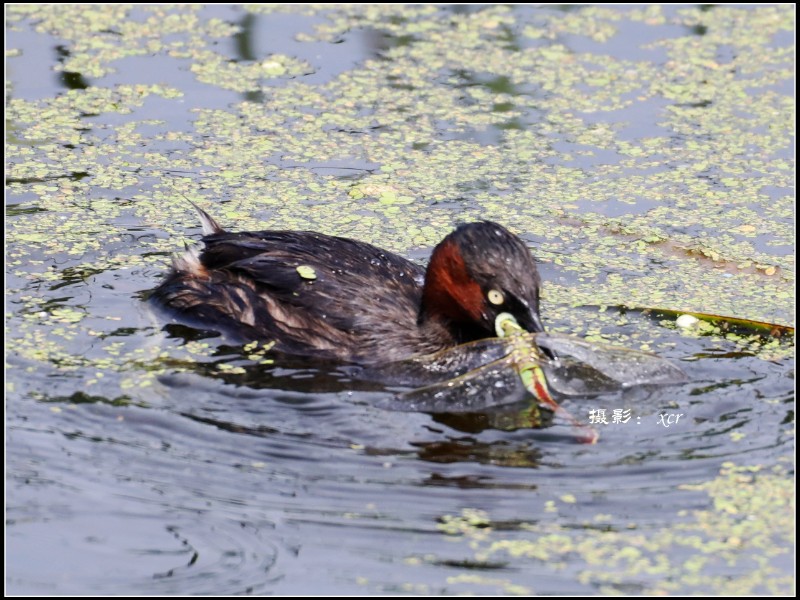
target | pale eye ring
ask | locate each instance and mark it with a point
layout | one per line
(496, 297)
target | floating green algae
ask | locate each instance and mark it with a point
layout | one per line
(711, 221)
(523, 115)
(306, 272)
(746, 526)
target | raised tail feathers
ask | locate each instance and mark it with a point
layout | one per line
(209, 224)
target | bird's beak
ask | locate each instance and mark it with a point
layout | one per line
(531, 321)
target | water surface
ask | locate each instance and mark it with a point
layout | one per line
(644, 154)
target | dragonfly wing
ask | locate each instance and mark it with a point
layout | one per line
(586, 368)
(491, 385)
(441, 366)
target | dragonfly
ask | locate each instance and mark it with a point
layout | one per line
(518, 365)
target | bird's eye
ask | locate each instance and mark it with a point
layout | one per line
(496, 297)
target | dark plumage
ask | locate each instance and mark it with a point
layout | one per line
(363, 304)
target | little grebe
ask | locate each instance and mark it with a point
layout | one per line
(335, 298)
